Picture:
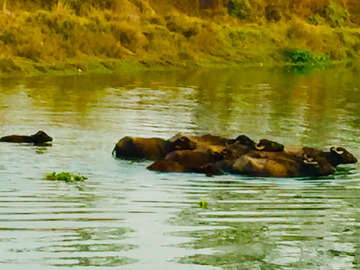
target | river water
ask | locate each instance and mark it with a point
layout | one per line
(127, 217)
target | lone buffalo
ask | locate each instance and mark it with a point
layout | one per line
(37, 138)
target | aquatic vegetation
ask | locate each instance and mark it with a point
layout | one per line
(203, 204)
(65, 176)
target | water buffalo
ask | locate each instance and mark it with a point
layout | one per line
(244, 140)
(149, 148)
(281, 167)
(185, 161)
(262, 145)
(269, 146)
(167, 165)
(206, 142)
(336, 155)
(230, 153)
(206, 139)
(38, 138)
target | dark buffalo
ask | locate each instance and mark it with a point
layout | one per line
(38, 138)
(185, 161)
(281, 167)
(149, 148)
(336, 155)
(262, 145)
(245, 140)
(269, 146)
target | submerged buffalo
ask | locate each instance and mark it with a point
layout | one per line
(269, 146)
(150, 148)
(336, 155)
(262, 145)
(185, 161)
(282, 167)
(38, 138)
(305, 161)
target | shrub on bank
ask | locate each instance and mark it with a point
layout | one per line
(304, 57)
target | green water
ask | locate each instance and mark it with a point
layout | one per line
(126, 217)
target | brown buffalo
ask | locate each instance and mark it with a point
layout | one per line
(185, 161)
(207, 139)
(281, 167)
(243, 145)
(206, 142)
(38, 138)
(230, 153)
(166, 165)
(149, 148)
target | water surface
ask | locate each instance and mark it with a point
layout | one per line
(126, 217)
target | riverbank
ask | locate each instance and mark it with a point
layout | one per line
(69, 37)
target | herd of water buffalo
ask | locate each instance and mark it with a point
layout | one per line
(214, 155)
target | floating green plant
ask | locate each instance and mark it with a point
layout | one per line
(203, 204)
(65, 176)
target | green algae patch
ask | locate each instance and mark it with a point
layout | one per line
(65, 177)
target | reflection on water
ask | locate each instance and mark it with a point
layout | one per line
(124, 215)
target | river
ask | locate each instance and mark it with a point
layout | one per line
(127, 217)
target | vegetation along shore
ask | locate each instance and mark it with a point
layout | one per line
(72, 36)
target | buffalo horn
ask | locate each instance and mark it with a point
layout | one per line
(257, 147)
(309, 160)
(337, 150)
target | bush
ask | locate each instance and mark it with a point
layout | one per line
(337, 15)
(316, 20)
(304, 57)
(239, 8)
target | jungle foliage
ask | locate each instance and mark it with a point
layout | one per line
(50, 36)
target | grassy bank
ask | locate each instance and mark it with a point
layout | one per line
(72, 36)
